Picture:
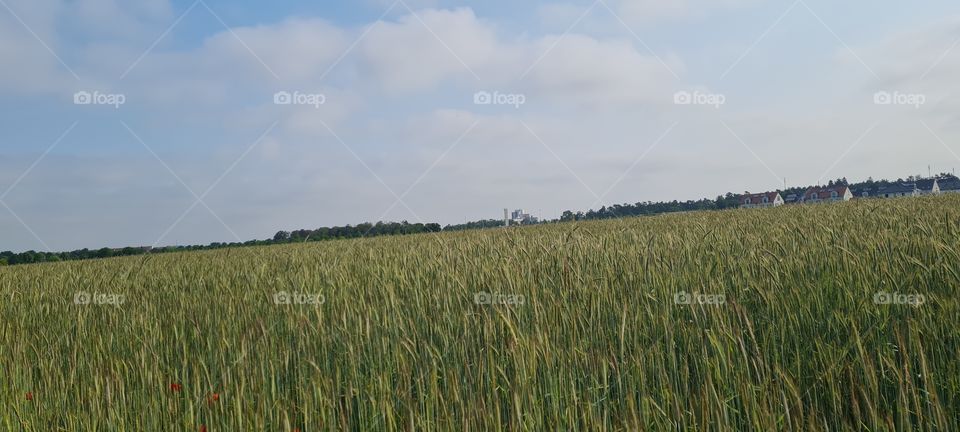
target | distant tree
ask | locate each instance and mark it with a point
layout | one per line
(281, 236)
(482, 224)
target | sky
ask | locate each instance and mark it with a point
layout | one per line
(163, 122)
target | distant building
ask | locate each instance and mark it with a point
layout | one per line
(895, 191)
(928, 186)
(792, 198)
(761, 200)
(875, 191)
(864, 192)
(520, 217)
(827, 194)
(902, 189)
(949, 185)
(898, 190)
(915, 186)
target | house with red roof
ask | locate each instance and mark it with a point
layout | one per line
(827, 194)
(761, 200)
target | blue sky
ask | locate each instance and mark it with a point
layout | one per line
(600, 123)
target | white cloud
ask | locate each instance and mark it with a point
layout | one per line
(402, 97)
(421, 51)
(415, 4)
(297, 50)
(29, 66)
(645, 11)
(118, 18)
(601, 74)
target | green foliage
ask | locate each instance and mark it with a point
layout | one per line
(362, 230)
(481, 224)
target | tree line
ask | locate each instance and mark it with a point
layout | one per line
(727, 201)
(281, 237)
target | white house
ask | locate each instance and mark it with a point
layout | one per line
(949, 185)
(928, 187)
(903, 189)
(761, 200)
(827, 194)
(899, 190)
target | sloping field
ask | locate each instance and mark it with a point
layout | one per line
(798, 318)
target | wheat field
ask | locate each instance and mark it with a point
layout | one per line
(821, 317)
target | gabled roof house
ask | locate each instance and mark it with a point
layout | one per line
(949, 185)
(928, 186)
(766, 199)
(827, 194)
(864, 192)
(902, 189)
(898, 190)
(794, 198)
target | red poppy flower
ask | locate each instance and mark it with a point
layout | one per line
(174, 387)
(214, 397)
(203, 428)
(29, 396)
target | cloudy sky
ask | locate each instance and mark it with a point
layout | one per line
(162, 122)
